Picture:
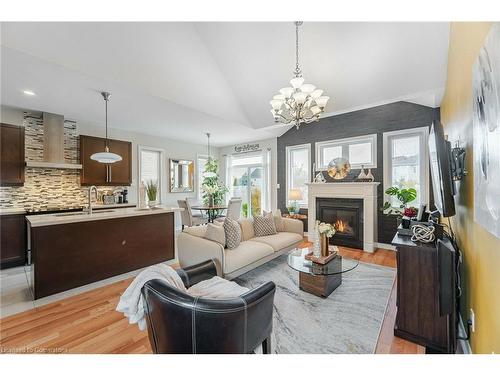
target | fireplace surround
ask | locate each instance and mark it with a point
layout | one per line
(365, 191)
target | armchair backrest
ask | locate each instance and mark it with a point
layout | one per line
(179, 323)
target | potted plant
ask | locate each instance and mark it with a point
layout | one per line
(152, 193)
(214, 192)
(404, 196)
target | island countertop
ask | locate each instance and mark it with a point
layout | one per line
(76, 217)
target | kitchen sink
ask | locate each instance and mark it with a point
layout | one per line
(84, 213)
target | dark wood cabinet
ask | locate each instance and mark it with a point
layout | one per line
(11, 155)
(94, 250)
(420, 317)
(12, 240)
(95, 173)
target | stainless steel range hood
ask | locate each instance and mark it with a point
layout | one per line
(53, 144)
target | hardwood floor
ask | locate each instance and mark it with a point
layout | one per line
(88, 322)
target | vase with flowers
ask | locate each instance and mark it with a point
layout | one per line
(326, 231)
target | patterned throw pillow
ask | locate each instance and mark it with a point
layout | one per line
(278, 220)
(216, 233)
(264, 225)
(233, 233)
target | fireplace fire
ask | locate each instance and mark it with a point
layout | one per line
(342, 226)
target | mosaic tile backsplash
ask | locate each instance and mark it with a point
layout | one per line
(46, 187)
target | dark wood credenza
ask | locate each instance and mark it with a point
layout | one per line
(67, 256)
(426, 294)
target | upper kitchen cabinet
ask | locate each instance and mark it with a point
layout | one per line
(11, 155)
(95, 173)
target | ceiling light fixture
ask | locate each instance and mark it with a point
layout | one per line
(303, 102)
(29, 92)
(106, 157)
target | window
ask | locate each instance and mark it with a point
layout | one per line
(150, 167)
(298, 172)
(201, 161)
(406, 163)
(358, 150)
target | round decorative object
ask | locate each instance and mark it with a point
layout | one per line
(339, 168)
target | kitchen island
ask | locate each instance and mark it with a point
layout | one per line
(77, 248)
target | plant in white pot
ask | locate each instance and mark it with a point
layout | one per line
(152, 192)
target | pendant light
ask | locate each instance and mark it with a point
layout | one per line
(208, 174)
(106, 157)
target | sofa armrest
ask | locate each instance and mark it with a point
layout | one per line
(293, 225)
(193, 250)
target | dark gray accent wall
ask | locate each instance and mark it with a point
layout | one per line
(384, 118)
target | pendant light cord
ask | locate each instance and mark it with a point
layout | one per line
(107, 143)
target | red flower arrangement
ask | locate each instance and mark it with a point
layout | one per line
(410, 212)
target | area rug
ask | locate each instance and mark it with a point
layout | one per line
(348, 321)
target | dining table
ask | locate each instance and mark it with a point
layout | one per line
(211, 210)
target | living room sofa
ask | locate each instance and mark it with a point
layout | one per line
(252, 252)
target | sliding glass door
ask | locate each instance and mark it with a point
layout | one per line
(247, 180)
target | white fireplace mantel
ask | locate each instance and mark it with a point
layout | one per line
(355, 190)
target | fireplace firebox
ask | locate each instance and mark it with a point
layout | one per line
(347, 217)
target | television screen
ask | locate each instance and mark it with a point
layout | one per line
(442, 183)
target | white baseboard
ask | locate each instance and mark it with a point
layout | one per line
(386, 246)
(464, 344)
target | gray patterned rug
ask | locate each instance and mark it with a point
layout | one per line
(348, 321)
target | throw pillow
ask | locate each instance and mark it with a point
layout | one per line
(278, 220)
(232, 231)
(264, 225)
(216, 233)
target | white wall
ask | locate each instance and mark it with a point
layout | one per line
(263, 144)
(171, 149)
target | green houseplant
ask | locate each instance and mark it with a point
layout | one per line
(214, 192)
(404, 196)
(152, 193)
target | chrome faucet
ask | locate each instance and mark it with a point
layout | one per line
(93, 187)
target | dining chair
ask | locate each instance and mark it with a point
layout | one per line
(233, 210)
(187, 218)
(193, 202)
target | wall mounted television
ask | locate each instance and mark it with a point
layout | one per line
(442, 182)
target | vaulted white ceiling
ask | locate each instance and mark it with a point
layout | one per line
(180, 80)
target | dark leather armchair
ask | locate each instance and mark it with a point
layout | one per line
(179, 323)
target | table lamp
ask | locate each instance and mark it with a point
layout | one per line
(294, 195)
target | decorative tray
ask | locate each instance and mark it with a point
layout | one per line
(321, 259)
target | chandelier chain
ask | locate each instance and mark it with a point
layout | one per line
(297, 71)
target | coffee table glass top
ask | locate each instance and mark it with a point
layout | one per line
(337, 265)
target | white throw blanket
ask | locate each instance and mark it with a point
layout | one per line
(131, 303)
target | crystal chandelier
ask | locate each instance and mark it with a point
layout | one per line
(302, 103)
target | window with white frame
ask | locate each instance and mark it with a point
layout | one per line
(406, 163)
(150, 167)
(201, 161)
(298, 172)
(360, 151)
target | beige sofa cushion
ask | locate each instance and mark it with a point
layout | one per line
(246, 229)
(198, 231)
(245, 254)
(279, 241)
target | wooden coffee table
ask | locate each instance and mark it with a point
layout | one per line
(320, 280)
